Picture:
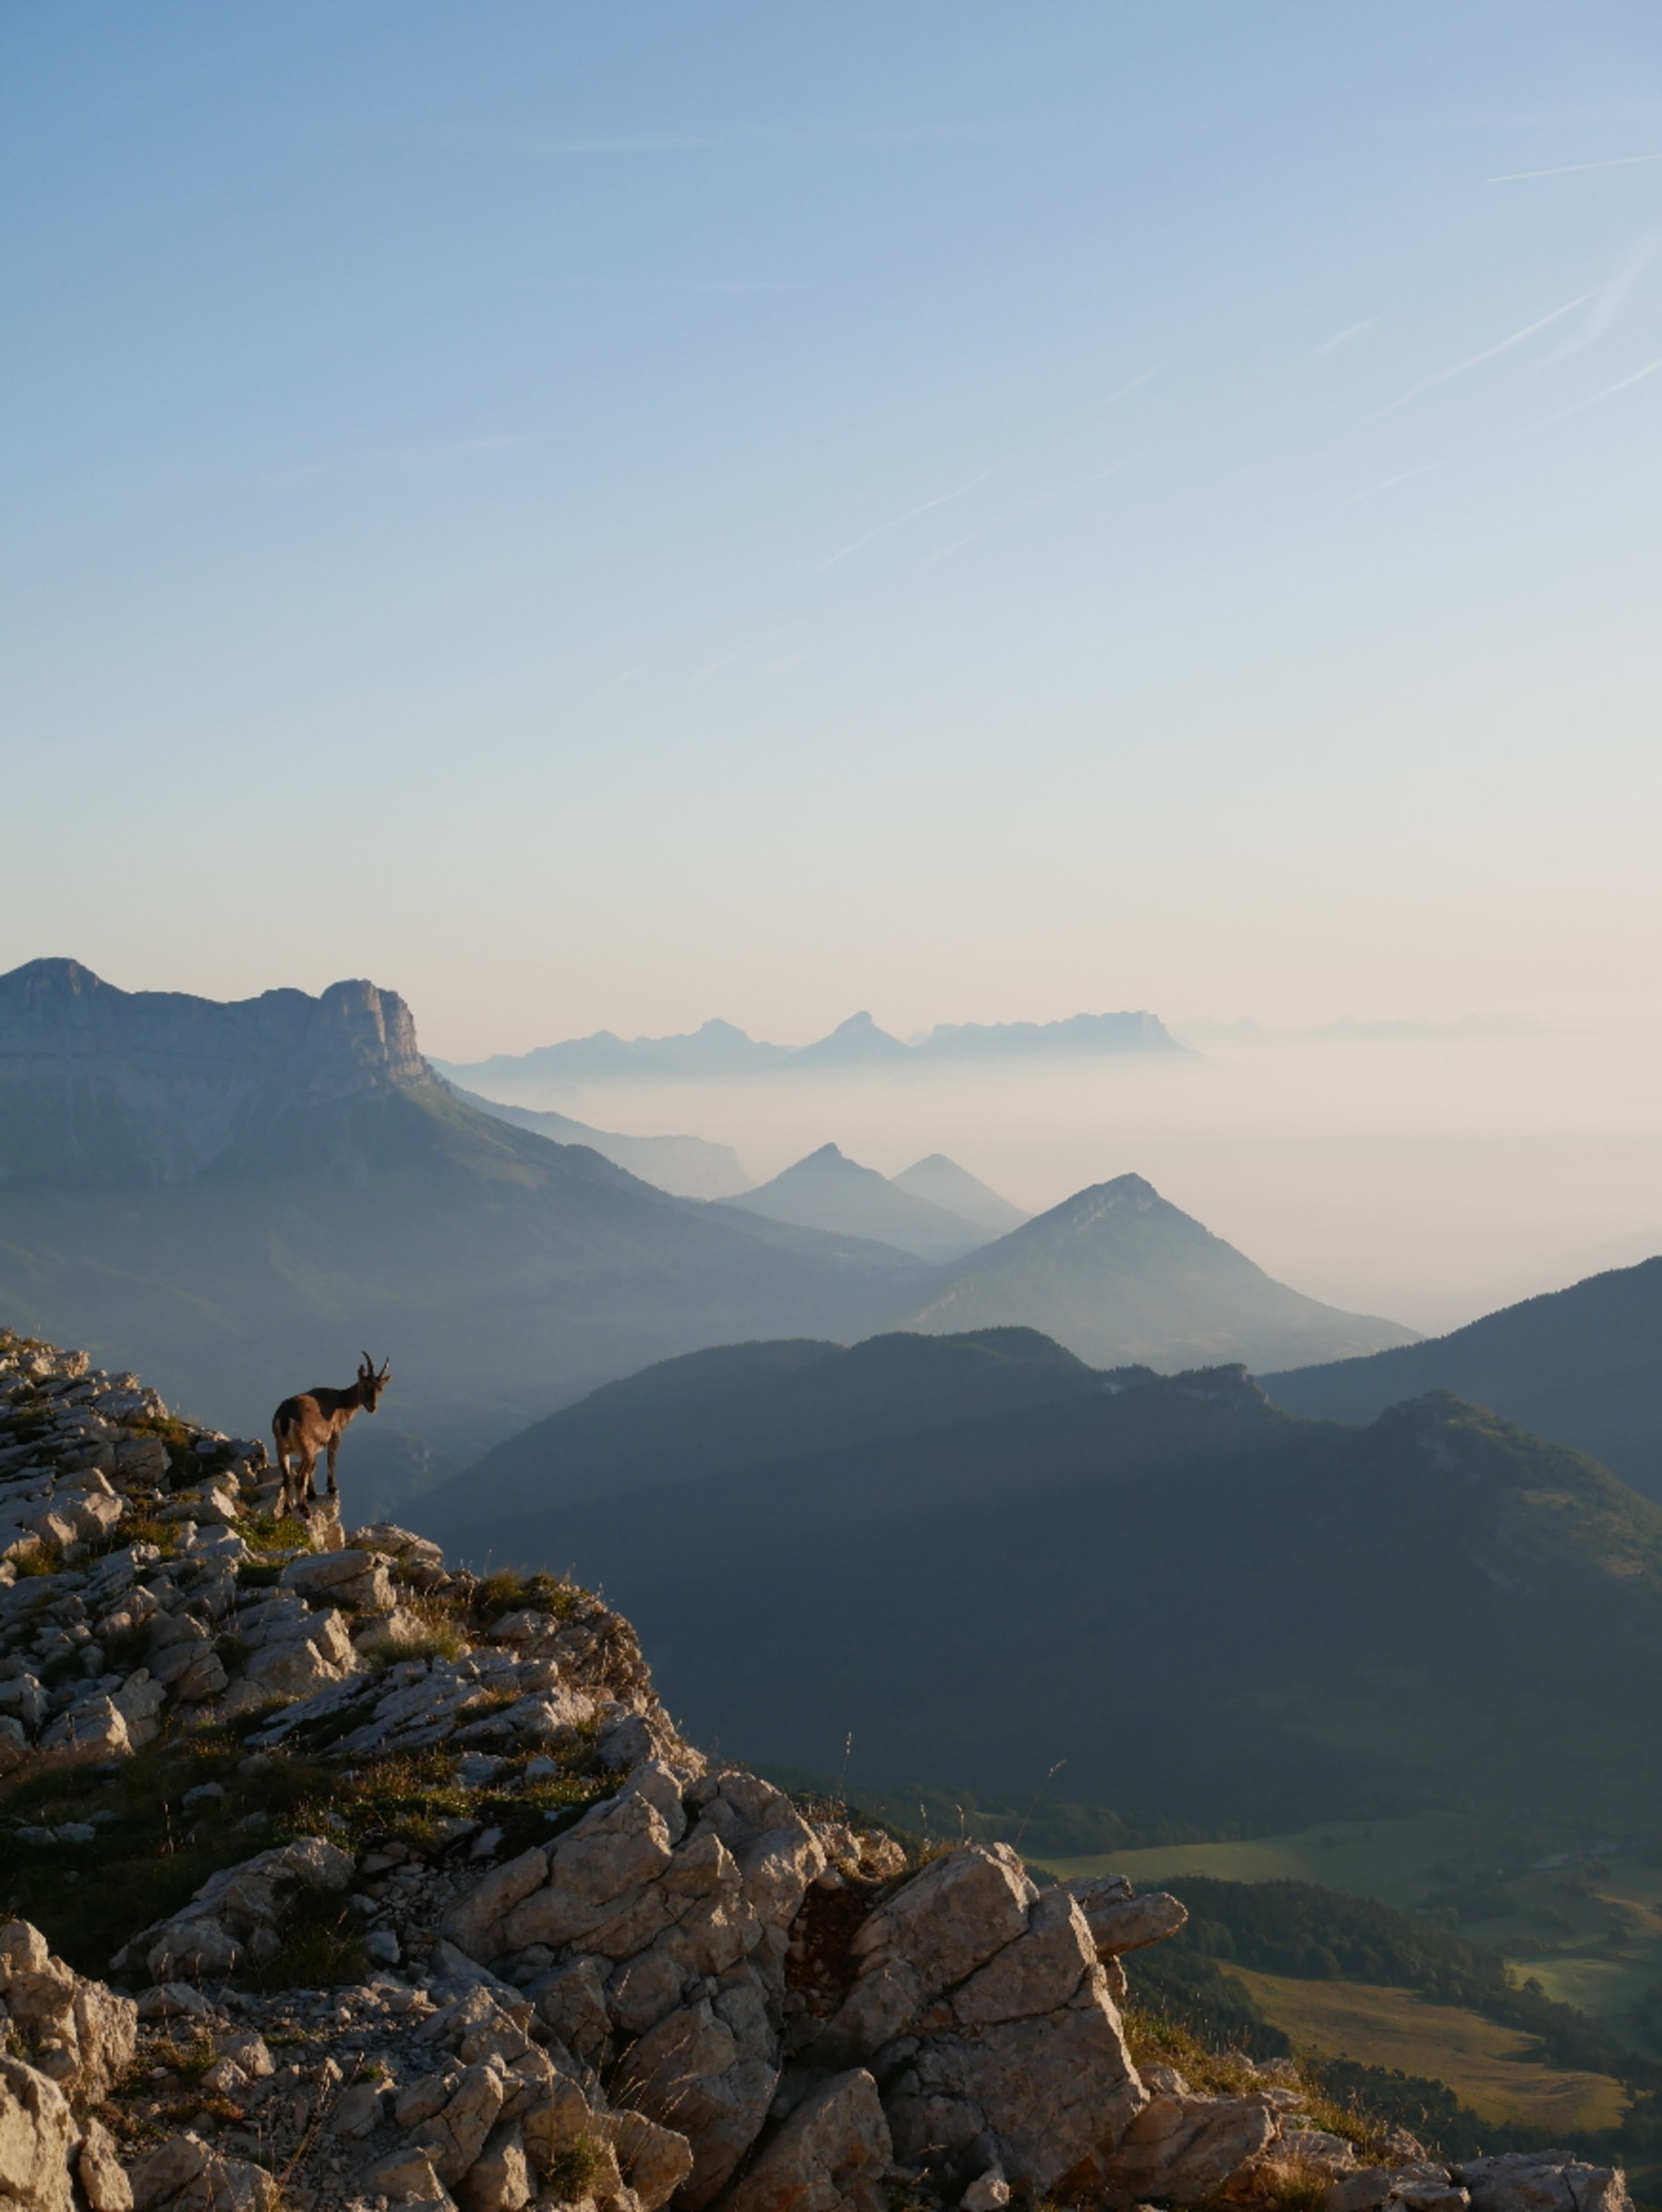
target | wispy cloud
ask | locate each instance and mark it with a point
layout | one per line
(1402, 476)
(731, 660)
(1609, 299)
(1045, 499)
(1137, 383)
(1490, 353)
(1610, 391)
(615, 683)
(1624, 161)
(943, 498)
(1329, 346)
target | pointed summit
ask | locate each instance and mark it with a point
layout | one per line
(856, 1042)
(827, 1190)
(1123, 1277)
(955, 1190)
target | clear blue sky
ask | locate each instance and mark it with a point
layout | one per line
(612, 515)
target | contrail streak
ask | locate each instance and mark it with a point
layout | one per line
(1423, 469)
(1610, 391)
(1625, 161)
(1458, 368)
(1045, 499)
(942, 500)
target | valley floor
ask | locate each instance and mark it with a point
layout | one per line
(1588, 1930)
(1488, 2067)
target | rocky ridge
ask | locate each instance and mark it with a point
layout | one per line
(99, 1084)
(503, 1937)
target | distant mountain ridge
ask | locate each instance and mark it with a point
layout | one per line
(828, 1191)
(719, 1051)
(687, 1166)
(1582, 1366)
(99, 1085)
(1121, 1275)
(247, 1194)
(955, 1191)
(1434, 1611)
(745, 1405)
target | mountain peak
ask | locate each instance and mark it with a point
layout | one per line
(827, 1190)
(102, 1084)
(1123, 1277)
(856, 1043)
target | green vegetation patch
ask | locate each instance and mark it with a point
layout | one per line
(1489, 2068)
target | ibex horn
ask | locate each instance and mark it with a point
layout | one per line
(368, 1364)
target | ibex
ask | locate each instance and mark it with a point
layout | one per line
(316, 1420)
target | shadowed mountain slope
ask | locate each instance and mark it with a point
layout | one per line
(1583, 1366)
(955, 1191)
(1119, 1275)
(687, 1167)
(829, 1190)
(1213, 1611)
(741, 1405)
(245, 1196)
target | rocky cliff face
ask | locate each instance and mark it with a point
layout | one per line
(479, 1930)
(103, 1087)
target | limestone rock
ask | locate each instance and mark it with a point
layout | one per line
(833, 2151)
(387, 1537)
(353, 1579)
(83, 2034)
(500, 2179)
(709, 2071)
(596, 1877)
(1545, 2181)
(103, 2176)
(953, 1916)
(1055, 2093)
(405, 2177)
(299, 1657)
(37, 2135)
(234, 1906)
(1039, 1972)
(188, 2175)
(572, 2004)
(1420, 2186)
(91, 1729)
(1119, 1921)
(988, 2193)
(454, 2135)
(1181, 2148)
(655, 2160)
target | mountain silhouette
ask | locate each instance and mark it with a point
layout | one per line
(962, 1596)
(1120, 1276)
(955, 1190)
(744, 1405)
(829, 1190)
(1583, 1366)
(241, 1197)
(856, 1042)
(687, 1166)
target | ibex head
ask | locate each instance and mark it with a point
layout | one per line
(370, 1384)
